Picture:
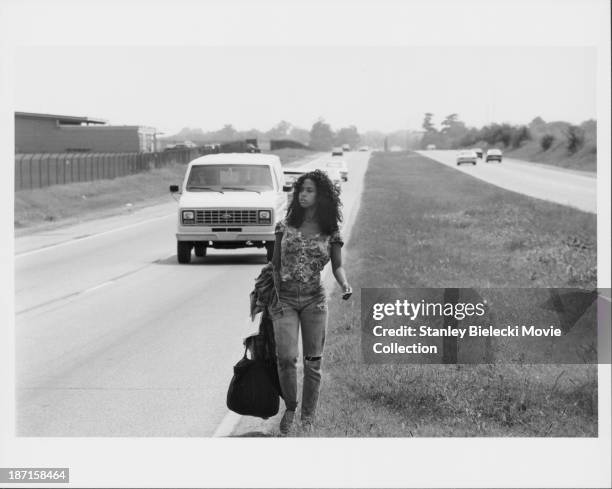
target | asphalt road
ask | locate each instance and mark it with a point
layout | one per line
(572, 188)
(115, 338)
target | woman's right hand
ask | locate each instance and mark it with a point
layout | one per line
(347, 291)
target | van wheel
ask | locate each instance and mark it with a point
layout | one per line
(269, 251)
(183, 251)
(200, 250)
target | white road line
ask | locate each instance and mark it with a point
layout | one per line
(73, 295)
(227, 426)
(91, 236)
(103, 284)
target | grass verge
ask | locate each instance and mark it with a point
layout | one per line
(422, 224)
(60, 204)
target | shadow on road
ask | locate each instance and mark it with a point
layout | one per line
(217, 259)
(253, 434)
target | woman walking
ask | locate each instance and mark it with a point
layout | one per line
(306, 240)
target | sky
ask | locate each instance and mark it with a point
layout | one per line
(374, 88)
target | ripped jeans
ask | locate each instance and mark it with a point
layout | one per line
(302, 305)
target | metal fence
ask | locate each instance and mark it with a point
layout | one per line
(42, 170)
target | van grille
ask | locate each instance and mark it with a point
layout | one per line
(226, 217)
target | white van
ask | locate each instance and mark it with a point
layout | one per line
(228, 201)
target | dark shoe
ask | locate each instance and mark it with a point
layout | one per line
(287, 422)
(307, 423)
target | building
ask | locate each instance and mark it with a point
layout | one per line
(49, 133)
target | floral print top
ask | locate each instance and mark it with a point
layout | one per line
(303, 258)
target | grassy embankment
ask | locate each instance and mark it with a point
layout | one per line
(60, 204)
(557, 154)
(583, 160)
(422, 224)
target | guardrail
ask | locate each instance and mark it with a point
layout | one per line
(36, 170)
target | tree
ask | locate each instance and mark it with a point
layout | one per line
(374, 139)
(546, 141)
(575, 138)
(348, 135)
(228, 133)
(520, 134)
(449, 122)
(470, 138)
(299, 134)
(537, 127)
(427, 124)
(453, 131)
(321, 136)
(280, 130)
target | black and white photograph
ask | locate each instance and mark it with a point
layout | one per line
(368, 237)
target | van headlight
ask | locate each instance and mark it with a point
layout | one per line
(188, 217)
(265, 217)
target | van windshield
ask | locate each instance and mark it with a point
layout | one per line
(235, 177)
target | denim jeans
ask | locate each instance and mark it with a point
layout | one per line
(300, 305)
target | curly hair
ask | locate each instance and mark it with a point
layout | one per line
(328, 203)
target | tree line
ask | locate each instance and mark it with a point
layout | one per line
(320, 137)
(455, 134)
(452, 133)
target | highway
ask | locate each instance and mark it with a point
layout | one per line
(115, 338)
(575, 189)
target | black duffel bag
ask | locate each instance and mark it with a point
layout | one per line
(252, 390)
(255, 388)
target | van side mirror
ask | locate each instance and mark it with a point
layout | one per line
(174, 188)
(287, 188)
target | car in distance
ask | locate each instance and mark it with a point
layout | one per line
(341, 166)
(346, 148)
(229, 201)
(479, 152)
(183, 145)
(334, 176)
(466, 156)
(431, 147)
(337, 152)
(494, 154)
(364, 148)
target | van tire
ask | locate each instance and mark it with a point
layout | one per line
(183, 251)
(200, 249)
